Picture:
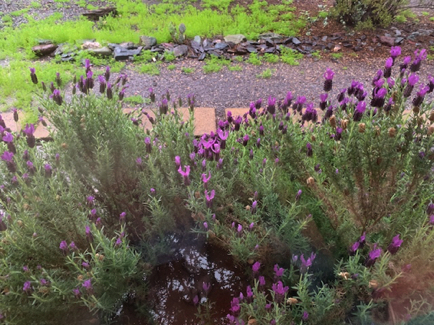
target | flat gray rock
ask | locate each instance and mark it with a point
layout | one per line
(147, 42)
(236, 38)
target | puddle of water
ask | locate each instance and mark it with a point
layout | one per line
(174, 284)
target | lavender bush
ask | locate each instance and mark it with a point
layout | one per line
(340, 199)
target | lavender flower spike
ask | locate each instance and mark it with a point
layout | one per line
(185, 174)
(33, 75)
(209, 198)
(328, 83)
(395, 245)
(372, 256)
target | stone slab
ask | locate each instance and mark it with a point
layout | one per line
(204, 119)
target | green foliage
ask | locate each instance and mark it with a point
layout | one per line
(136, 100)
(35, 5)
(235, 67)
(337, 56)
(187, 70)
(271, 58)
(266, 74)
(171, 67)
(169, 56)
(316, 55)
(254, 59)
(149, 68)
(375, 12)
(214, 64)
(290, 56)
(238, 58)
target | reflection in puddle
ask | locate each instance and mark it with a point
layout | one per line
(173, 285)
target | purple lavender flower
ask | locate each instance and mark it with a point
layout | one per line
(261, 280)
(107, 73)
(420, 95)
(278, 272)
(109, 92)
(353, 249)
(63, 246)
(372, 256)
(33, 76)
(430, 209)
(48, 170)
(412, 80)
(90, 200)
(178, 161)
(88, 285)
(25, 268)
(419, 57)
(358, 113)
(206, 287)
(209, 198)
(395, 245)
(305, 264)
(85, 265)
(27, 287)
(271, 106)
(77, 293)
(245, 140)
(309, 152)
(122, 216)
(205, 179)
(72, 246)
(118, 242)
(8, 137)
(254, 207)
(195, 300)
(395, 51)
(239, 229)
(279, 291)
(297, 197)
(378, 99)
(235, 306)
(362, 239)
(44, 282)
(310, 114)
(328, 83)
(388, 67)
(89, 235)
(305, 316)
(323, 101)
(7, 157)
(255, 268)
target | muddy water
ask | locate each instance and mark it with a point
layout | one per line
(179, 277)
(175, 284)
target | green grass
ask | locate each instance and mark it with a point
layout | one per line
(187, 70)
(271, 58)
(35, 5)
(135, 100)
(431, 18)
(150, 69)
(215, 64)
(290, 56)
(238, 58)
(216, 17)
(171, 67)
(316, 55)
(254, 59)
(425, 13)
(266, 74)
(336, 56)
(169, 56)
(236, 67)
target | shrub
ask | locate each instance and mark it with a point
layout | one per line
(379, 12)
(342, 202)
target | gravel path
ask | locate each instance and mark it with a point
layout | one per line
(231, 89)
